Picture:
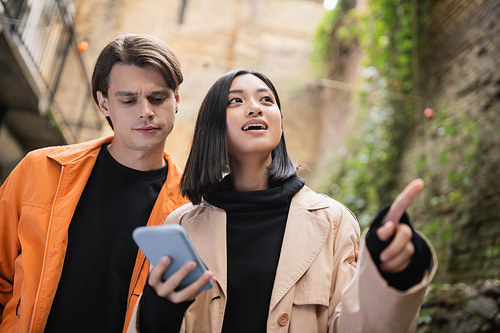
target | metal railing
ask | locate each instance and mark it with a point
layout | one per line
(45, 32)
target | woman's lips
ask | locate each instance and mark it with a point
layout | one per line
(255, 125)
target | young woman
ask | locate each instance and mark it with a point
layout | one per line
(282, 257)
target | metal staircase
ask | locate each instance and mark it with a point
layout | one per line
(45, 95)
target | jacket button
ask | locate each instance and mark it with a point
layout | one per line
(283, 319)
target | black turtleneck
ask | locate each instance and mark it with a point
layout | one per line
(255, 228)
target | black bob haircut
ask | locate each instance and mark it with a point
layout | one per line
(208, 159)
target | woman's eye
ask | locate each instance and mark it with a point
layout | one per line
(234, 100)
(267, 99)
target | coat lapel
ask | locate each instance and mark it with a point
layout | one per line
(305, 235)
(207, 231)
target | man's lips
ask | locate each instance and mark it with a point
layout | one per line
(147, 129)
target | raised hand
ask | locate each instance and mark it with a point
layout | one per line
(397, 255)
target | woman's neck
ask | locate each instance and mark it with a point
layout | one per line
(250, 174)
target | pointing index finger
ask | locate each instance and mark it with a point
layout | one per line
(403, 201)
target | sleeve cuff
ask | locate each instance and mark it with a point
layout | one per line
(157, 314)
(420, 261)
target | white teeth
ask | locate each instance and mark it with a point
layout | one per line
(246, 127)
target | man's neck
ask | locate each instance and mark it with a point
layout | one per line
(141, 160)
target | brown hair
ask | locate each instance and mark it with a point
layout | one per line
(136, 50)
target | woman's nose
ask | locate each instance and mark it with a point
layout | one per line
(255, 110)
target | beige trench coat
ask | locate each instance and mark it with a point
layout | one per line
(315, 289)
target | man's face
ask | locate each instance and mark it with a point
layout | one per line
(141, 107)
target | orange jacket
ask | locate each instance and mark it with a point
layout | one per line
(37, 202)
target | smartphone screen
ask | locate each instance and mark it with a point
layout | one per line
(173, 241)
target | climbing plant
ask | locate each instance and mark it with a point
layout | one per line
(322, 37)
(387, 32)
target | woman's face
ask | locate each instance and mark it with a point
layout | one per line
(253, 118)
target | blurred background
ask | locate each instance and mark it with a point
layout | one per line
(374, 92)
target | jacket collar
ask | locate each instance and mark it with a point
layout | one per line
(70, 153)
(85, 154)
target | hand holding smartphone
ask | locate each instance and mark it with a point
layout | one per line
(171, 240)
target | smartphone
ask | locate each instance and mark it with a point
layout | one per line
(173, 241)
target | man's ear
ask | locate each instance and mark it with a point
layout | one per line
(177, 97)
(103, 104)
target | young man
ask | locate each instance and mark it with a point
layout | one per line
(68, 262)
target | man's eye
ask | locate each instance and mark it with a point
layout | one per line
(129, 102)
(159, 100)
(234, 100)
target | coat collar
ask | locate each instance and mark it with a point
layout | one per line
(207, 230)
(304, 237)
(310, 200)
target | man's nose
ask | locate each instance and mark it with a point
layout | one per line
(146, 110)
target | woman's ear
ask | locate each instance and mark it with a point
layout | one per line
(103, 104)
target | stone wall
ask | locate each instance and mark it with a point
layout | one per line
(457, 152)
(460, 308)
(461, 145)
(217, 36)
(336, 113)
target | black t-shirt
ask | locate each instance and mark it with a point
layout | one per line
(92, 293)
